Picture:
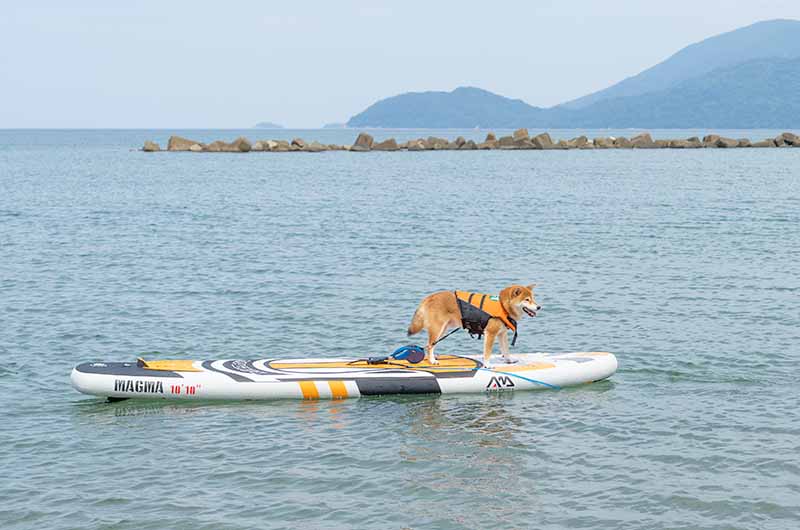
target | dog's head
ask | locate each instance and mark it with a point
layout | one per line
(521, 299)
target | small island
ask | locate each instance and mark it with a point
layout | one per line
(267, 125)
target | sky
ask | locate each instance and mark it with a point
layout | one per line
(198, 64)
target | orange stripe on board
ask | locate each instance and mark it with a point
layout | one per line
(338, 389)
(309, 389)
(179, 365)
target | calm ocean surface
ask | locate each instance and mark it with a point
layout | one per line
(683, 263)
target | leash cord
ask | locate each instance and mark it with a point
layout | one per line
(440, 339)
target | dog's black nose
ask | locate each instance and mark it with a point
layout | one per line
(538, 307)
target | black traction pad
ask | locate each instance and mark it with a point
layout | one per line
(126, 369)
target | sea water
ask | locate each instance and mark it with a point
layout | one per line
(684, 263)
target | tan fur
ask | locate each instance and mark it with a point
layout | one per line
(438, 313)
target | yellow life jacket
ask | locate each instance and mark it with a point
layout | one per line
(476, 310)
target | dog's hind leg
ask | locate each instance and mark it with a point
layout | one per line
(432, 338)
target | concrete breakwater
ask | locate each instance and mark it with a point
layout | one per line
(520, 139)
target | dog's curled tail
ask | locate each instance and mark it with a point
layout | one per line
(417, 322)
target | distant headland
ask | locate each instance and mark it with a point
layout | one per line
(744, 79)
(520, 140)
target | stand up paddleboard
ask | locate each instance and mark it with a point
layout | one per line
(336, 378)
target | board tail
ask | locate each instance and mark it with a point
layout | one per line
(417, 323)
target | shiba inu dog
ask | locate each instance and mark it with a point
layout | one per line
(480, 314)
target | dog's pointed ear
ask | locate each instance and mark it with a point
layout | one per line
(532, 286)
(516, 291)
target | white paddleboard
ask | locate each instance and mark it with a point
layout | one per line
(235, 379)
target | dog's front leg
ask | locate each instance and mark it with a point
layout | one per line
(504, 347)
(490, 333)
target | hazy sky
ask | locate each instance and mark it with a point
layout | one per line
(180, 64)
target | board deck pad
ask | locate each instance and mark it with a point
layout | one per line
(446, 363)
(336, 378)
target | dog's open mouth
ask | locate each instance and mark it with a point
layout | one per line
(529, 312)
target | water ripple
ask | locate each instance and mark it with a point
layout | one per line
(684, 264)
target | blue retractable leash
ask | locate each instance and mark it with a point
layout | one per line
(412, 353)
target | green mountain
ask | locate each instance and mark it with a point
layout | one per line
(748, 78)
(754, 95)
(464, 107)
(771, 38)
